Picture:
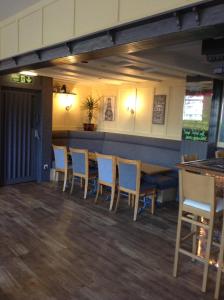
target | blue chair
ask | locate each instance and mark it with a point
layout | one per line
(61, 162)
(106, 175)
(130, 182)
(80, 168)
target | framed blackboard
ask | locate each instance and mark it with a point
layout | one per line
(159, 108)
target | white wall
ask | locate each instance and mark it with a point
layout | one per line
(53, 21)
(72, 119)
(139, 123)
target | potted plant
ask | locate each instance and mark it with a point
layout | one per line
(91, 105)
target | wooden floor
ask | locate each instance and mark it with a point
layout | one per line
(54, 246)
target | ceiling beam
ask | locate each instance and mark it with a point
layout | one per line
(149, 33)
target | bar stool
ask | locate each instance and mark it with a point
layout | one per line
(220, 264)
(197, 198)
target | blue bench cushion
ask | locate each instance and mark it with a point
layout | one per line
(161, 182)
(146, 186)
(173, 173)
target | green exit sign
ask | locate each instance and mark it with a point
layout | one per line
(20, 78)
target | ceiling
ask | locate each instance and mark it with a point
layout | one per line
(9, 8)
(158, 64)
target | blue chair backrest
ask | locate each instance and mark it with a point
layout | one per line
(78, 163)
(59, 155)
(128, 176)
(105, 169)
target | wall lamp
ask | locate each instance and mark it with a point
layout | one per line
(131, 103)
(66, 98)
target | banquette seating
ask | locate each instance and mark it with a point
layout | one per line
(150, 150)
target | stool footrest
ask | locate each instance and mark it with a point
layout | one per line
(188, 236)
(195, 222)
(194, 256)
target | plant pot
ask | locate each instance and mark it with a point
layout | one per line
(89, 127)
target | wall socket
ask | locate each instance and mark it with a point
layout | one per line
(45, 166)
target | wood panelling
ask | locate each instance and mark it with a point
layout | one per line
(137, 9)
(58, 21)
(60, 247)
(66, 19)
(30, 26)
(140, 123)
(91, 16)
(9, 40)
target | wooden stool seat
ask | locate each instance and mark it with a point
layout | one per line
(203, 206)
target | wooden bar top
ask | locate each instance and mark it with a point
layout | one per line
(214, 166)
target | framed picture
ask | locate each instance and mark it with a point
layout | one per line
(109, 108)
(159, 109)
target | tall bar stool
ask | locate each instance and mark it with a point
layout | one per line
(80, 168)
(61, 162)
(220, 264)
(106, 175)
(197, 198)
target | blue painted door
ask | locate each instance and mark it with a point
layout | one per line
(20, 118)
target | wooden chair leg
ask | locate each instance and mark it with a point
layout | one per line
(221, 264)
(86, 187)
(81, 182)
(178, 239)
(194, 241)
(118, 200)
(136, 207)
(153, 203)
(218, 283)
(129, 199)
(207, 255)
(55, 176)
(101, 189)
(97, 193)
(72, 186)
(112, 198)
(65, 180)
(133, 201)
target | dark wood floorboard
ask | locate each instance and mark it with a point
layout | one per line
(60, 247)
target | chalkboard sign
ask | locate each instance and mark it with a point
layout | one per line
(192, 134)
(159, 107)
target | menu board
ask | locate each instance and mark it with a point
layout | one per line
(159, 108)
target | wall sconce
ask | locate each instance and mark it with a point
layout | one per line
(68, 101)
(131, 103)
(66, 98)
